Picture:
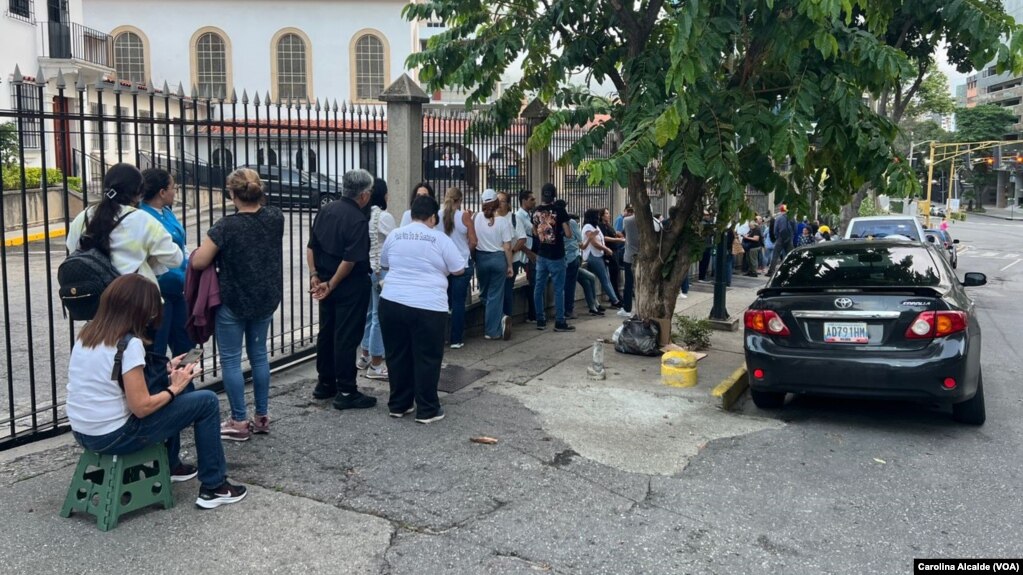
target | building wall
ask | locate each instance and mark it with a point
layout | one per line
(21, 42)
(250, 26)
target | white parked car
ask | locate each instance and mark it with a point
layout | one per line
(878, 227)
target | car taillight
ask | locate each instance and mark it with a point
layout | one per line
(764, 321)
(930, 324)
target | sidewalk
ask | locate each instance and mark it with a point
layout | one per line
(568, 488)
(1012, 214)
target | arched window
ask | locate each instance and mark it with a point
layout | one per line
(264, 159)
(211, 67)
(292, 81)
(130, 57)
(300, 160)
(370, 68)
(223, 158)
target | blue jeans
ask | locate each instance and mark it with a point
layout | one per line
(372, 341)
(630, 286)
(571, 275)
(589, 283)
(458, 291)
(491, 271)
(200, 409)
(555, 271)
(230, 330)
(685, 284)
(599, 269)
(172, 329)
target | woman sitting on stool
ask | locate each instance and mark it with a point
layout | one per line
(116, 413)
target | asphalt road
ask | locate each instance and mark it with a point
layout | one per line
(866, 486)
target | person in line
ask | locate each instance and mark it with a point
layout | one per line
(614, 240)
(247, 248)
(594, 251)
(134, 241)
(823, 234)
(381, 223)
(526, 256)
(751, 245)
(493, 264)
(620, 220)
(630, 230)
(519, 239)
(783, 235)
(550, 228)
(574, 273)
(420, 189)
(121, 414)
(158, 189)
(413, 309)
(338, 254)
(458, 225)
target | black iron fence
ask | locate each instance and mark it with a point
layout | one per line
(60, 155)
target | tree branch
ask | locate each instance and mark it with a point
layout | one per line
(900, 106)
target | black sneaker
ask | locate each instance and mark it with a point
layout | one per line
(324, 391)
(601, 308)
(596, 312)
(355, 400)
(223, 495)
(616, 305)
(183, 472)
(571, 315)
(563, 326)
(541, 325)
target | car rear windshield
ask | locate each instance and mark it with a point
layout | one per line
(884, 229)
(859, 266)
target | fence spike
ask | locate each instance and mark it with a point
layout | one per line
(181, 91)
(134, 88)
(234, 96)
(150, 88)
(334, 108)
(117, 85)
(245, 97)
(100, 84)
(40, 77)
(80, 83)
(61, 81)
(318, 105)
(256, 101)
(267, 100)
(195, 92)
(17, 79)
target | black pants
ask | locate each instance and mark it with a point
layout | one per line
(614, 272)
(414, 340)
(531, 279)
(705, 263)
(342, 319)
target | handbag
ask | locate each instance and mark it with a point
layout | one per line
(737, 249)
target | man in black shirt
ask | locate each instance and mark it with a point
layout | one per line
(338, 254)
(550, 227)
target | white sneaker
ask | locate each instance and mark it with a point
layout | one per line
(363, 361)
(683, 296)
(457, 345)
(376, 372)
(623, 313)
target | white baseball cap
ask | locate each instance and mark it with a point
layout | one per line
(488, 196)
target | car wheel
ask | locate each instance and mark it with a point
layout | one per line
(955, 263)
(972, 410)
(767, 399)
(326, 199)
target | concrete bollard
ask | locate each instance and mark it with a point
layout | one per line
(596, 369)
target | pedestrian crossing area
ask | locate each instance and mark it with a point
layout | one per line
(972, 252)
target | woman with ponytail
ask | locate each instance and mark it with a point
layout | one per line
(134, 241)
(493, 264)
(457, 224)
(246, 246)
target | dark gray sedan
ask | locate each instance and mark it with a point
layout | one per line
(876, 318)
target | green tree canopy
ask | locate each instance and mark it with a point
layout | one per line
(719, 95)
(983, 123)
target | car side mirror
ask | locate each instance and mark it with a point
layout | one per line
(955, 241)
(931, 239)
(974, 279)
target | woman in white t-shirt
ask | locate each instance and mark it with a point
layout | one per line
(594, 251)
(371, 352)
(420, 189)
(414, 309)
(458, 225)
(113, 411)
(494, 237)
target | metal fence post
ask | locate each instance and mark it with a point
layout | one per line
(405, 101)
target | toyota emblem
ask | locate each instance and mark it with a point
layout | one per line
(843, 303)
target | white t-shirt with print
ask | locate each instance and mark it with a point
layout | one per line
(419, 259)
(489, 238)
(96, 405)
(591, 249)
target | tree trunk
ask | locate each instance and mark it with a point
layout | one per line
(852, 209)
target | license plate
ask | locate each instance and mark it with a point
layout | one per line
(846, 332)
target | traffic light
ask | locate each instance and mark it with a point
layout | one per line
(989, 161)
(1019, 158)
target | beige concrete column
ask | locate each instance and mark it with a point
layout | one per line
(538, 162)
(405, 101)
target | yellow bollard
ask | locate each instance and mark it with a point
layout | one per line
(678, 369)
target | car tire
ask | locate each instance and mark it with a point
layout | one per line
(767, 399)
(955, 263)
(326, 199)
(972, 410)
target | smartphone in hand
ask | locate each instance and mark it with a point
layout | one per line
(191, 357)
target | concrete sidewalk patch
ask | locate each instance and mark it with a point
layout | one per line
(19, 240)
(732, 387)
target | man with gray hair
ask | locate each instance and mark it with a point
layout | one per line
(338, 255)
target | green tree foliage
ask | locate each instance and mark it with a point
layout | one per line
(983, 123)
(8, 144)
(933, 97)
(718, 95)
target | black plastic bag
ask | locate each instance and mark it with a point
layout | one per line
(639, 337)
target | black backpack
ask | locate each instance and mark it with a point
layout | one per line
(82, 278)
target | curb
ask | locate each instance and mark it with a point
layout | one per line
(35, 237)
(996, 217)
(732, 387)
